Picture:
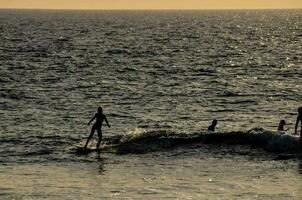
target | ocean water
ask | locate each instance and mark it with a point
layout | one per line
(161, 78)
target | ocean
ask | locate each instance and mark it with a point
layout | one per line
(161, 77)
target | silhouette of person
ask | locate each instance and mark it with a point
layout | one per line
(100, 117)
(281, 125)
(299, 119)
(213, 125)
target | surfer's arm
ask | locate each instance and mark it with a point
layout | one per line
(91, 120)
(296, 126)
(106, 121)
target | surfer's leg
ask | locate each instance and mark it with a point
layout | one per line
(100, 138)
(90, 136)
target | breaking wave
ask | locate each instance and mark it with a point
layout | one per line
(142, 141)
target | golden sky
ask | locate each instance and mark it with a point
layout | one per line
(150, 4)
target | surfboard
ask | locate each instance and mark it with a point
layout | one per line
(103, 148)
(82, 150)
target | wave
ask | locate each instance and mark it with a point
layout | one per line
(141, 141)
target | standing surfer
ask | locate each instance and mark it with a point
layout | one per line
(299, 119)
(100, 117)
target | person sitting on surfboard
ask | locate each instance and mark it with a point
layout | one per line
(100, 117)
(212, 126)
(281, 125)
(299, 119)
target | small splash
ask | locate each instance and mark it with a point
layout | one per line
(140, 133)
(133, 135)
(63, 39)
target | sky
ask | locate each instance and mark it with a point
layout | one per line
(151, 4)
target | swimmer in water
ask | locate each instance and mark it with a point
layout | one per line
(281, 125)
(213, 125)
(100, 117)
(299, 119)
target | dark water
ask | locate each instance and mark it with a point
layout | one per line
(153, 72)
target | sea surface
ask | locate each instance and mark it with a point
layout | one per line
(161, 78)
